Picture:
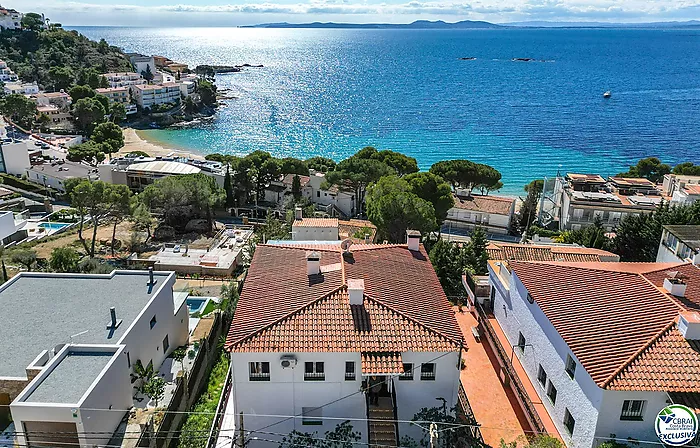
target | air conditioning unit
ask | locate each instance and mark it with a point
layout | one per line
(288, 361)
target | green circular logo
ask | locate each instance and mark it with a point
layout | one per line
(676, 425)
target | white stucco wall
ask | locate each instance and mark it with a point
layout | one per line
(16, 157)
(609, 422)
(467, 219)
(306, 233)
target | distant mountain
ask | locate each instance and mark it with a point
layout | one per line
(417, 25)
(545, 24)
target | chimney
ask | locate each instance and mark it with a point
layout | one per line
(413, 239)
(298, 213)
(674, 283)
(696, 259)
(151, 279)
(356, 291)
(313, 263)
(114, 322)
(689, 325)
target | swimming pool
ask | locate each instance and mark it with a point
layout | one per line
(196, 305)
(53, 225)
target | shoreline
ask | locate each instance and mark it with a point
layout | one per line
(135, 142)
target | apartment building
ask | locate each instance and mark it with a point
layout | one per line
(21, 88)
(149, 95)
(679, 244)
(124, 79)
(10, 19)
(492, 213)
(6, 73)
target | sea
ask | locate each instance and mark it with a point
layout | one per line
(444, 94)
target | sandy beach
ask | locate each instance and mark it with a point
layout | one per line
(133, 142)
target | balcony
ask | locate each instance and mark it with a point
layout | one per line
(261, 376)
(314, 376)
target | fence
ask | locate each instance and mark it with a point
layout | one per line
(464, 411)
(517, 386)
(220, 408)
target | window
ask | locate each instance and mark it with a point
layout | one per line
(521, 342)
(570, 366)
(313, 371)
(407, 374)
(633, 410)
(530, 298)
(349, 370)
(318, 194)
(542, 376)
(311, 416)
(427, 371)
(166, 343)
(569, 421)
(552, 393)
(153, 321)
(259, 371)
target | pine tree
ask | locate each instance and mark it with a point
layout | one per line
(228, 187)
(296, 187)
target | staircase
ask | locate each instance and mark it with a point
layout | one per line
(382, 426)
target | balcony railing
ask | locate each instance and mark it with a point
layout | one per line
(464, 412)
(314, 376)
(259, 376)
(427, 376)
(349, 376)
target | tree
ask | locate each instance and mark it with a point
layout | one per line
(207, 92)
(19, 108)
(109, 136)
(354, 174)
(296, 187)
(477, 256)
(229, 299)
(342, 436)
(262, 169)
(43, 121)
(393, 208)
(148, 73)
(142, 220)
(321, 164)
(89, 152)
(118, 199)
(687, 168)
(81, 91)
(467, 174)
(228, 187)
(91, 200)
(546, 441)
(190, 105)
(401, 163)
(451, 428)
(589, 236)
(61, 78)
(650, 168)
(528, 211)
(433, 189)
(25, 257)
(155, 389)
(32, 21)
(290, 165)
(118, 112)
(104, 101)
(444, 256)
(88, 113)
(64, 259)
(143, 374)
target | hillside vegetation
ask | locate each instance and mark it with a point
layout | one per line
(57, 58)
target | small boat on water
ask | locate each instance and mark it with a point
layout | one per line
(607, 94)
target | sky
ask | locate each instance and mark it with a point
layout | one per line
(246, 12)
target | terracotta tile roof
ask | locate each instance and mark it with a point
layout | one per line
(692, 189)
(532, 252)
(315, 222)
(346, 229)
(485, 204)
(668, 362)
(692, 291)
(289, 178)
(331, 324)
(380, 363)
(404, 302)
(605, 317)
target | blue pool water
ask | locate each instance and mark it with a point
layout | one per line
(53, 225)
(331, 92)
(195, 305)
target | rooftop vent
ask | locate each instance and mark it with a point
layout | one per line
(298, 213)
(114, 323)
(313, 263)
(356, 291)
(674, 283)
(413, 239)
(151, 278)
(689, 325)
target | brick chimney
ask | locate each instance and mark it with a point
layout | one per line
(413, 240)
(356, 291)
(313, 263)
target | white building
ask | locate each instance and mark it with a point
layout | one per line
(10, 19)
(679, 244)
(314, 229)
(21, 88)
(336, 201)
(143, 64)
(149, 95)
(10, 224)
(187, 88)
(6, 73)
(14, 157)
(139, 172)
(681, 188)
(124, 79)
(339, 318)
(600, 341)
(586, 198)
(492, 213)
(115, 94)
(55, 174)
(69, 348)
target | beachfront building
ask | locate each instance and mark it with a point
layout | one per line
(6, 73)
(149, 95)
(679, 244)
(606, 345)
(69, 348)
(586, 198)
(492, 213)
(331, 200)
(21, 88)
(115, 94)
(54, 175)
(124, 79)
(138, 173)
(10, 19)
(340, 317)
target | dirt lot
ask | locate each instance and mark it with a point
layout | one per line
(104, 232)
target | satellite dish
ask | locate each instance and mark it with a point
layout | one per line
(345, 245)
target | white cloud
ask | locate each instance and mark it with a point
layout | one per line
(84, 13)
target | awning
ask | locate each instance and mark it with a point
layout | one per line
(381, 363)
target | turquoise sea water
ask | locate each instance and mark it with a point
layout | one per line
(331, 92)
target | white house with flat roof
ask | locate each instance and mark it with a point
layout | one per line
(679, 244)
(69, 342)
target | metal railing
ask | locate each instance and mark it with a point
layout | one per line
(314, 376)
(464, 411)
(220, 408)
(517, 386)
